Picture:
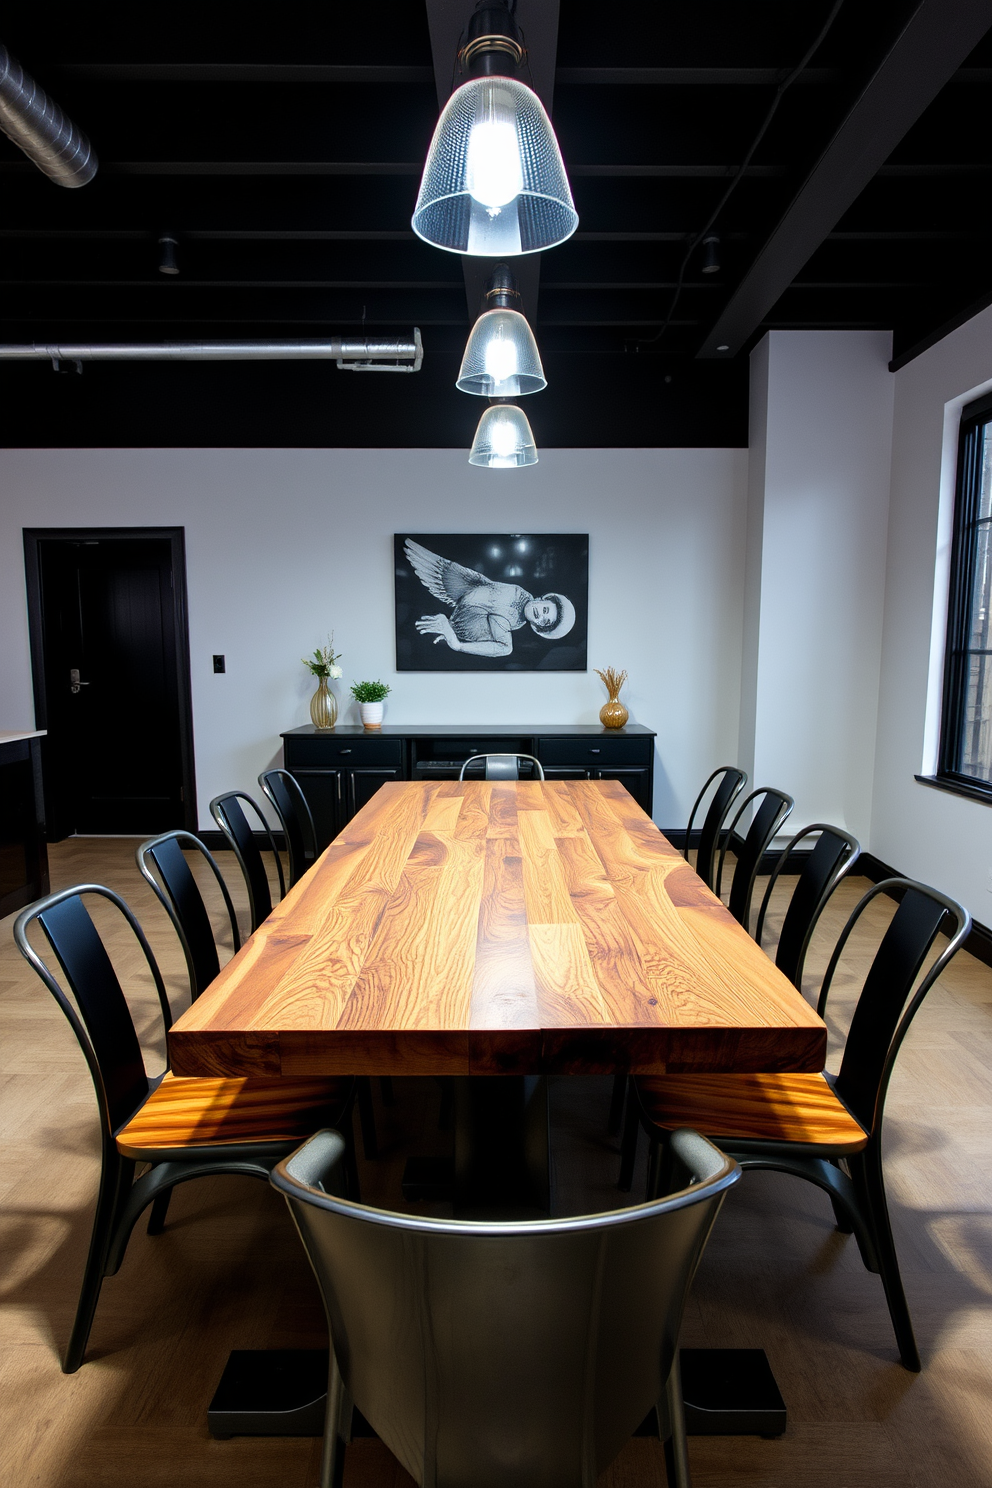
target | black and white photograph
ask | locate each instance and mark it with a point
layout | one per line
(482, 602)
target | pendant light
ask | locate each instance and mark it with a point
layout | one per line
(501, 357)
(503, 440)
(494, 185)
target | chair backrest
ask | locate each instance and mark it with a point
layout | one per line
(179, 894)
(229, 815)
(888, 1004)
(825, 865)
(296, 818)
(771, 811)
(496, 1353)
(504, 766)
(730, 782)
(103, 1024)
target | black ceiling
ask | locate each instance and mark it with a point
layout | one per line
(285, 157)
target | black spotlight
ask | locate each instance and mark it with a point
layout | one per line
(711, 254)
(167, 260)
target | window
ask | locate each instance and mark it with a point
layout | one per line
(966, 736)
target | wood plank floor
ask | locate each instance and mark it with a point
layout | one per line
(228, 1272)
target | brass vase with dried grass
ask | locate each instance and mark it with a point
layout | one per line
(612, 714)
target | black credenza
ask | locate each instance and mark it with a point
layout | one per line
(23, 854)
(340, 769)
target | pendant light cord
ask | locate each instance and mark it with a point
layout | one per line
(697, 237)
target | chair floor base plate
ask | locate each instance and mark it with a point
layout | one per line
(283, 1392)
(730, 1392)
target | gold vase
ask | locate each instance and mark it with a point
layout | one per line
(613, 714)
(323, 706)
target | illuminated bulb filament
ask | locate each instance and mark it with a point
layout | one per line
(494, 173)
(504, 438)
(501, 357)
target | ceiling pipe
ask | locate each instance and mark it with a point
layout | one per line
(358, 354)
(38, 126)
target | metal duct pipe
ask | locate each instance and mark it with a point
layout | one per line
(358, 354)
(39, 127)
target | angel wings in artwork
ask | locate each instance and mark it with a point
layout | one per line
(484, 612)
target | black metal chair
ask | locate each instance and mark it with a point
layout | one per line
(290, 805)
(814, 1125)
(833, 855)
(229, 815)
(163, 865)
(730, 782)
(504, 766)
(183, 1128)
(525, 1352)
(775, 806)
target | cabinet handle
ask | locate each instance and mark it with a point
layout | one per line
(339, 785)
(595, 751)
(344, 751)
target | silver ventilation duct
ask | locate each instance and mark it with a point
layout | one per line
(38, 127)
(358, 354)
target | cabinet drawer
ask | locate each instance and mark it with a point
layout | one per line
(331, 752)
(597, 750)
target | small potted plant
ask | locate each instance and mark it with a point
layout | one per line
(323, 665)
(371, 696)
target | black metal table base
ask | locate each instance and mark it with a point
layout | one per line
(283, 1392)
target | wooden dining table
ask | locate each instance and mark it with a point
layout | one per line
(499, 928)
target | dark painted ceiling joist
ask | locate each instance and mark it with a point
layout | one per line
(924, 56)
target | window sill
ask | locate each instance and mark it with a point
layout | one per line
(973, 792)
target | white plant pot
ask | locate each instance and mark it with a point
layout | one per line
(371, 714)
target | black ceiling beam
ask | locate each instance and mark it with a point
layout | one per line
(414, 167)
(329, 72)
(538, 20)
(924, 56)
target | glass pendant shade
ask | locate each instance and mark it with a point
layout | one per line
(501, 357)
(503, 440)
(494, 185)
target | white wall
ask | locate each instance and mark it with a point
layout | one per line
(818, 491)
(285, 545)
(941, 838)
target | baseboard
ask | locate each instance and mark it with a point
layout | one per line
(215, 841)
(979, 942)
(676, 836)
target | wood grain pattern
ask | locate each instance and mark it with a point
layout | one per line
(499, 927)
(778, 1108)
(214, 1113)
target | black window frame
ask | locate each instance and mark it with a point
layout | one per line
(974, 419)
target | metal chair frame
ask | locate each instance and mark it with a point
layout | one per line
(241, 837)
(443, 1344)
(101, 1020)
(726, 793)
(769, 816)
(503, 766)
(833, 856)
(290, 805)
(173, 894)
(886, 1007)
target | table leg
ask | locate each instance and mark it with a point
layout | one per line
(502, 1147)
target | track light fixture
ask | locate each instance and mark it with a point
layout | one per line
(503, 440)
(501, 357)
(494, 185)
(711, 254)
(168, 263)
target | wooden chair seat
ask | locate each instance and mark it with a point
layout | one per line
(771, 1108)
(214, 1112)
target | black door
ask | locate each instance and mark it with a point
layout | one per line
(113, 693)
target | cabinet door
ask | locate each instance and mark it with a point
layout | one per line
(361, 786)
(324, 793)
(635, 780)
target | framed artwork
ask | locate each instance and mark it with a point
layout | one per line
(491, 602)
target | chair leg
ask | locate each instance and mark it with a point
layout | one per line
(676, 1446)
(115, 1180)
(366, 1117)
(160, 1208)
(628, 1147)
(616, 1104)
(332, 1455)
(866, 1172)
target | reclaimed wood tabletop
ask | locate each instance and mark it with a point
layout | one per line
(494, 928)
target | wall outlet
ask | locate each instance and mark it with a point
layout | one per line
(220, 665)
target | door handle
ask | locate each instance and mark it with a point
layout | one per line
(74, 682)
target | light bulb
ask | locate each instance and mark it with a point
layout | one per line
(493, 171)
(501, 357)
(503, 437)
